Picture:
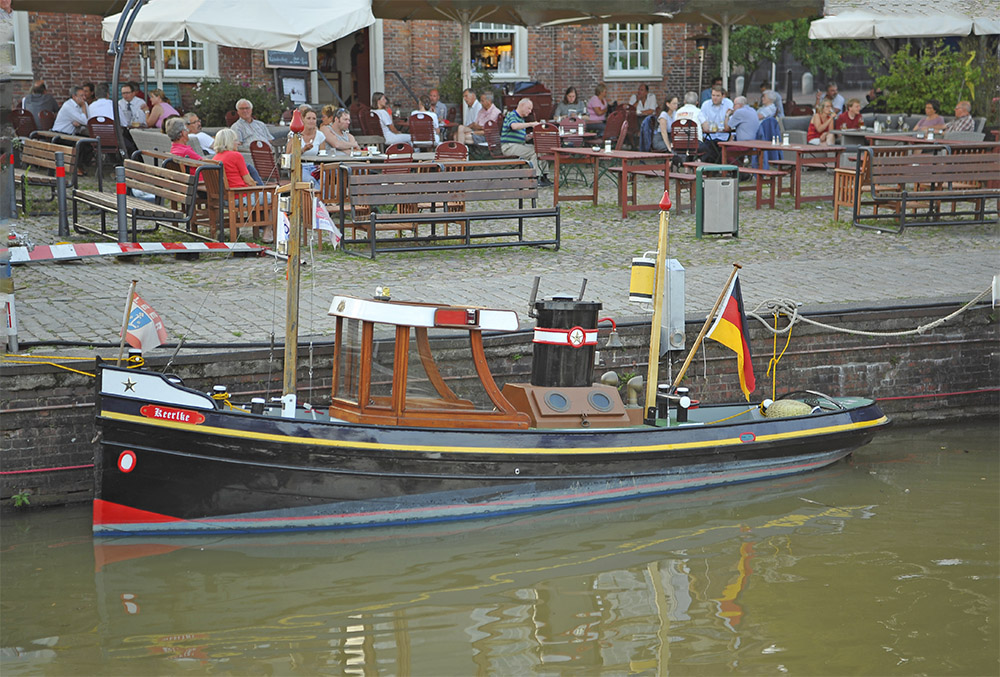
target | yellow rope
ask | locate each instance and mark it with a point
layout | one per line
(739, 413)
(51, 364)
(772, 366)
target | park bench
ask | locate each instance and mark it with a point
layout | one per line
(845, 178)
(207, 212)
(929, 180)
(175, 193)
(38, 160)
(415, 185)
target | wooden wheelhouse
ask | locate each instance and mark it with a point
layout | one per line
(359, 396)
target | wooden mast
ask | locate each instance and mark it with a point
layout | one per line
(704, 327)
(660, 272)
(298, 195)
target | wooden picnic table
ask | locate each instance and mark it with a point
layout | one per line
(629, 161)
(806, 155)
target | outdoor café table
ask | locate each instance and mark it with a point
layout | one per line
(630, 161)
(806, 155)
(423, 156)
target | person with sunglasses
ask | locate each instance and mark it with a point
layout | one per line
(336, 128)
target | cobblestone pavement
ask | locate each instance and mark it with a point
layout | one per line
(801, 255)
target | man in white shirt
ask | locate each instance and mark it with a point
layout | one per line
(644, 101)
(131, 110)
(831, 93)
(72, 116)
(691, 111)
(472, 109)
(194, 132)
(102, 105)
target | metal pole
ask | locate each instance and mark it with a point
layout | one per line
(117, 47)
(61, 193)
(120, 190)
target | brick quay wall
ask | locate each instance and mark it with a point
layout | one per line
(951, 372)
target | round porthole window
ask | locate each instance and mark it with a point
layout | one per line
(600, 401)
(556, 401)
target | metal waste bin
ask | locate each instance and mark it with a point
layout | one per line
(717, 203)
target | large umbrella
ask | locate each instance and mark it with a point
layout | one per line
(519, 12)
(98, 7)
(944, 18)
(252, 24)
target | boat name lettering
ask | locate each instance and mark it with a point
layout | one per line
(172, 414)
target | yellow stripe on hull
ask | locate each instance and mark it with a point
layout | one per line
(376, 446)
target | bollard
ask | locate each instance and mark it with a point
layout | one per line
(122, 209)
(8, 202)
(61, 194)
(7, 291)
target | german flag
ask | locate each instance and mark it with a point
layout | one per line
(729, 329)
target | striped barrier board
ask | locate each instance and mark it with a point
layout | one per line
(66, 252)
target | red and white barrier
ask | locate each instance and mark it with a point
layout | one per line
(65, 252)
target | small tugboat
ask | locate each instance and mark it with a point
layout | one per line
(405, 440)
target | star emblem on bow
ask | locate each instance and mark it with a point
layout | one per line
(129, 385)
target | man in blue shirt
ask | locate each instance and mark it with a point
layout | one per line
(512, 137)
(742, 119)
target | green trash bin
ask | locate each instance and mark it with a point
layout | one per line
(717, 205)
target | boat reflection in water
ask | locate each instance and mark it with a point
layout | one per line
(608, 587)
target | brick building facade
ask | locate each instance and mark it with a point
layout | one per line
(67, 50)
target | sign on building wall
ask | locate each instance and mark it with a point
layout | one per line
(297, 59)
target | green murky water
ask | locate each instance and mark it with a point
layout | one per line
(887, 564)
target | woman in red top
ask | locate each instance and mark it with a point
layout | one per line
(850, 118)
(820, 130)
(235, 167)
(177, 132)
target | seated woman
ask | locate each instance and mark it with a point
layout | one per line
(597, 109)
(851, 117)
(313, 141)
(389, 131)
(820, 132)
(177, 132)
(661, 140)
(424, 106)
(932, 116)
(235, 167)
(570, 105)
(336, 129)
(159, 109)
(767, 109)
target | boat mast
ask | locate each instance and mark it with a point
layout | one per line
(659, 279)
(299, 195)
(704, 328)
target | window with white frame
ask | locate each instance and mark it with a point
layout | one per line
(188, 59)
(19, 46)
(501, 49)
(633, 51)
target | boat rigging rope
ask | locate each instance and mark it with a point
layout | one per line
(790, 310)
(772, 366)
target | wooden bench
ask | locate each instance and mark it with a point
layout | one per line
(411, 185)
(207, 211)
(931, 180)
(846, 178)
(764, 177)
(39, 169)
(176, 194)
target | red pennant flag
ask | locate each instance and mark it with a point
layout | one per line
(730, 329)
(145, 328)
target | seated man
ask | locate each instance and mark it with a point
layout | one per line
(472, 108)
(963, 121)
(850, 118)
(72, 116)
(742, 120)
(691, 111)
(131, 109)
(714, 112)
(767, 107)
(437, 107)
(337, 133)
(247, 129)
(38, 100)
(644, 101)
(831, 93)
(774, 96)
(194, 131)
(512, 137)
(488, 113)
(102, 105)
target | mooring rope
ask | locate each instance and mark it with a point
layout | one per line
(790, 309)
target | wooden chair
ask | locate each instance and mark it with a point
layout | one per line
(570, 125)
(422, 130)
(684, 139)
(329, 194)
(399, 152)
(23, 122)
(451, 150)
(622, 133)
(263, 159)
(103, 129)
(253, 207)
(632, 119)
(370, 125)
(613, 127)
(46, 119)
(491, 130)
(547, 127)
(231, 117)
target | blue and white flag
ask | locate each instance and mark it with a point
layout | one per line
(145, 328)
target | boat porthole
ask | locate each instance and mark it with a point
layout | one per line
(599, 401)
(556, 401)
(517, 471)
(126, 461)
(748, 437)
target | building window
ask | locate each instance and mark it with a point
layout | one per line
(186, 59)
(500, 49)
(19, 46)
(633, 51)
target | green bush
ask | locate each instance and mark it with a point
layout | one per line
(214, 98)
(451, 83)
(934, 72)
